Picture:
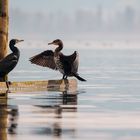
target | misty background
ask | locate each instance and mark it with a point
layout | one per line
(75, 18)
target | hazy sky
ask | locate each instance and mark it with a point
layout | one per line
(44, 5)
(33, 17)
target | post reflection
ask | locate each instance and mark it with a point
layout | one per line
(3, 115)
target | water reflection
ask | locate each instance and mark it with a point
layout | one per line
(7, 113)
(42, 116)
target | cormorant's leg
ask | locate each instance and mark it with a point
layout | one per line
(7, 85)
(64, 76)
(5, 78)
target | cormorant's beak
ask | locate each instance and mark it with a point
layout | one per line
(19, 41)
(50, 43)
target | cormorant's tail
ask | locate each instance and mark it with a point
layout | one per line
(78, 77)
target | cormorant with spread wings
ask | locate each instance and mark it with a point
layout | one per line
(67, 65)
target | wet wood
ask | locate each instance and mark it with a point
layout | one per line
(48, 85)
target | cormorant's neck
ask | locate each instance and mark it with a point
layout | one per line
(13, 48)
(59, 48)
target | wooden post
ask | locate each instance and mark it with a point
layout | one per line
(3, 51)
(4, 22)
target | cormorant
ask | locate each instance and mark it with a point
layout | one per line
(8, 63)
(67, 65)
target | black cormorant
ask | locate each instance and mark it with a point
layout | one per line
(67, 65)
(8, 63)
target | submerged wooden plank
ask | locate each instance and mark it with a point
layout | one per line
(48, 85)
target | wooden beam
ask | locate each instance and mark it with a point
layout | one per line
(48, 85)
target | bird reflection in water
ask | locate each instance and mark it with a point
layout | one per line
(69, 99)
(55, 128)
(13, 119)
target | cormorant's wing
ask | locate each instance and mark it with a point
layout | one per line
(75, 64)
(71, 58)
(70, 62)
(44, 59)
(8, 63)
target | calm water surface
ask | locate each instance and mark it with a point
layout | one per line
(106, 107)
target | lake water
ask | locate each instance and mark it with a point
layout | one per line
(106, 107)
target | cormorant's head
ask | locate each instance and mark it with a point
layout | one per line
(14, 41)
(56, 42)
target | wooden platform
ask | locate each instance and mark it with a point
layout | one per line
(48, 85)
